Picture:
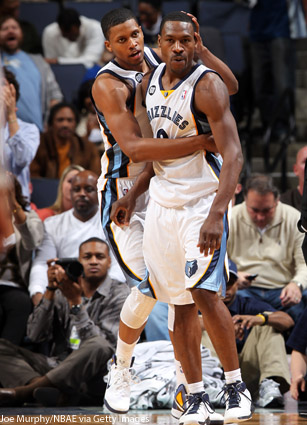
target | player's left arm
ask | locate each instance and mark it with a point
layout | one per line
(211, 98)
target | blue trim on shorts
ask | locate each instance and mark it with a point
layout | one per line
(146, 288)
(108, 197)
(216, 273)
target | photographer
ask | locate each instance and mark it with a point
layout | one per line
(79, 317)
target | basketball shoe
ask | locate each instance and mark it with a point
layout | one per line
(180, 404)
(239, 406)
(117, 395)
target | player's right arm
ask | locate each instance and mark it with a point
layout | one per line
(124, 207)
(110, 96)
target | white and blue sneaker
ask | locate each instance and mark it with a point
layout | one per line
(117, 395)
(180, 404)
(239, 406)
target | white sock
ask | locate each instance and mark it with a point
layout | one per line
(180, 376)
(124, 353)
(196, 387)
(233, 376)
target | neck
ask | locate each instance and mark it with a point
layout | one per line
(61, 142)
(85, 216)
(90, 287)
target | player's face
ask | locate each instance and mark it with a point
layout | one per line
(126, 42)
(177, 45)
(95, 259)
(261, 208)
(10, 35)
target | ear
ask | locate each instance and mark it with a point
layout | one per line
(108, 46)
(295, 170)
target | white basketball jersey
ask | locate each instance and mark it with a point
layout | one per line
(172, 115)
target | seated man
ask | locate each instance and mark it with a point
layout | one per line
(80, 317)
(73, 39)
(260, 343)
(64, 232)
(264, 240)
(60, 146)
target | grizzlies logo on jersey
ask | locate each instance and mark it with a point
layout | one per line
(191, 267)
(152, 90)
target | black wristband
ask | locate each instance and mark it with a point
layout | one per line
(51, 288)
(266, 316)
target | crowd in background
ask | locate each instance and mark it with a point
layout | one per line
(46, 136)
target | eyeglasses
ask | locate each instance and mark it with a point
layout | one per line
(263, 211)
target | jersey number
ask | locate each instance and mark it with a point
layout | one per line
(161, 134)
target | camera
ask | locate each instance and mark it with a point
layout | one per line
(72, 266)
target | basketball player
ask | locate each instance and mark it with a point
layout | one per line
(115, 95)
(190, 195)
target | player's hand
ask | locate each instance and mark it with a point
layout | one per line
(210, 235)
(297, 385)
(207, 142)
(290, 295)
(199, 42)
(122, 210)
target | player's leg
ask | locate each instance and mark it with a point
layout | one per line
(204, 276)
(126, 244)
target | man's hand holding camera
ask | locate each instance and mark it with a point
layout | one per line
(58, 279)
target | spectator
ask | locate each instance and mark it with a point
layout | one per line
(63, 199)
(38, 87)
(293, 196)
(88, 125)
(150, 17)
(60, 146)
(24, 233)
(271, 52)
(21, 138)
(73, 39)
(31, 42)
(260, 343)
(64, 232)
(80, 320)
(264, 240)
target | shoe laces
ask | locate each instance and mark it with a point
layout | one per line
(122, 378)
(193, 402)
(232, 394)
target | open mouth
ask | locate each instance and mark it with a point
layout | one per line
(135, 54)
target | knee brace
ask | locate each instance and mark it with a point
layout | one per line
(136, 309)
